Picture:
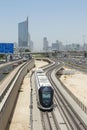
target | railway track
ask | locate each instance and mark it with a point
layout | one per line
(70, 117)
(49, 121)
(66, 115)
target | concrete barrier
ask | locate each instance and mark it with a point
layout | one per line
(6, 112)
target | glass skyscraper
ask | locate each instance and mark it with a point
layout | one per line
(23, 34)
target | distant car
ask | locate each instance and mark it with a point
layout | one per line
(24, 59)
(15, 64)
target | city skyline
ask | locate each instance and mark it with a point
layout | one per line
(62, 20)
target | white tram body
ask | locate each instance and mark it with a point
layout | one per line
(44, 91)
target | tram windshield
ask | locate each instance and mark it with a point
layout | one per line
(46, 96)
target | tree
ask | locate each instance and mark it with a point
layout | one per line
(27, 50)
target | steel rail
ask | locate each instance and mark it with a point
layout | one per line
(46, 122)
(49, 121)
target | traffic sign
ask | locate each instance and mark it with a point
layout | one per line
(6, 48)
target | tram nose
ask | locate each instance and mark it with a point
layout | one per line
(46, 102)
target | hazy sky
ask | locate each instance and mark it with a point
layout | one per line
(64, 20)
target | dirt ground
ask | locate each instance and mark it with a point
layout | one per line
(77, 84)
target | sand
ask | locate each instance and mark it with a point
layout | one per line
(77, 84)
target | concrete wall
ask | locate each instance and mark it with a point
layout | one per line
(10, 102)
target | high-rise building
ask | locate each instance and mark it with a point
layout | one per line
(23, 34)
(57, 46)
(73, 47)
(45, 44)
(85, 47)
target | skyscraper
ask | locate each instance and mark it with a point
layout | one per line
(23, 34)
(45, 44)
(57, 46)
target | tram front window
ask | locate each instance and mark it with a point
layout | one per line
(46, 96)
